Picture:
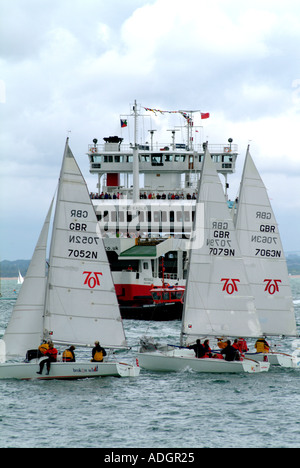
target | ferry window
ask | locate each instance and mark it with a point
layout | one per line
(121, 216)
(156, 295)
(129, 216)
(164, 216)
(227, 158)
(186, 215)
(177, 158)
(173, 295)
(178, 294)
(129, 158)
(145, 265)
(156, 216)
(156, 160)
(106, 216)
(172, 216)
(108, 159)
(113, 216)
(145, 158)
(169, 157)
(178, 215)
(141, 216)
(166, 296)
(119, 158)
(149, 216)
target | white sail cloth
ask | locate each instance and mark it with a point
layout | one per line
(261, 247)
(218, 301)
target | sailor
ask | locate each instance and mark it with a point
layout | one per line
(69, 355)
(198, 348)
(51, 356)
(43, 348)
(230, 353)
(207, 349)
(241, 345)
(98, 353)
(262, 346)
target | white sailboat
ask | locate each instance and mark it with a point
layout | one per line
(75, 303)
(218, 299)
(20, 278)
(261, 248)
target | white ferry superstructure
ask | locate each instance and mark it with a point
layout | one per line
(149, 216)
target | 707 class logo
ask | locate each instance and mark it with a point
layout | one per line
(272, 285)
(92, 278)
(230, 285)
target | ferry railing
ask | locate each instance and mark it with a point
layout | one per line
(219, 148)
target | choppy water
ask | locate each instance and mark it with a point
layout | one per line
(176, 410)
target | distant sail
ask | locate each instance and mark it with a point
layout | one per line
(261, 247)
(20, 278)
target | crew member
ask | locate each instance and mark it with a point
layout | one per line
(98, 353)
(230, 353)
(43, 348)
(69, 355)
(51, 354)
(198, 348)
(262, 346)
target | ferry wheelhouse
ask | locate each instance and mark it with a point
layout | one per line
(145, 202)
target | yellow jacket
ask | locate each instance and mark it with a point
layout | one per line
(43, 348)
(262, 346)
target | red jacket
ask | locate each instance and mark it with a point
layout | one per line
(52, 352)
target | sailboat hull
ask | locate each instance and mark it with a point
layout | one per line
(66, 370)
(292, 361)
(162, 362)
(275, 359)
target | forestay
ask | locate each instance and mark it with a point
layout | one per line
(218, 298)
(81, 303)
(261, 247)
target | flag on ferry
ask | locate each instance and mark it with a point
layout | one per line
(123, 123)
(204, 115)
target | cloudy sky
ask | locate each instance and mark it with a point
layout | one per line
(71, 67)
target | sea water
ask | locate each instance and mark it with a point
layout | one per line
(156, 410)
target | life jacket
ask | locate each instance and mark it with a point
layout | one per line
(222, 344)
(67, 356)
(261, 346)
(242, 345)
(98, 356)
(52, 352)
(44, 348)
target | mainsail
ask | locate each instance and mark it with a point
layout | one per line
(261, 247)
(81, 304)
(218, 298)
(25, 328)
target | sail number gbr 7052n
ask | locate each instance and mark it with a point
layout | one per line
(81, 237)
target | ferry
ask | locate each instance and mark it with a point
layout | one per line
(145, 202)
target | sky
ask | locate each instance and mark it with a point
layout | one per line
(72, 67)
